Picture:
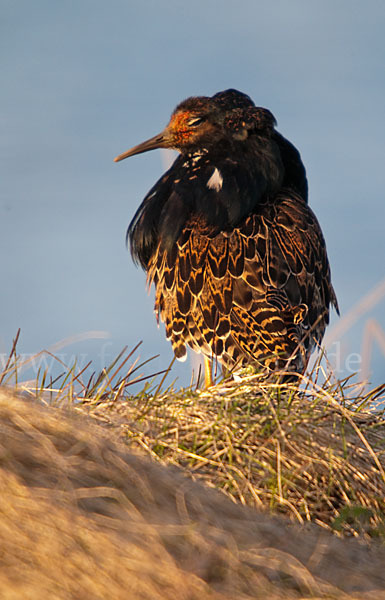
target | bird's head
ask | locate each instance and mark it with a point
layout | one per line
(201, 122)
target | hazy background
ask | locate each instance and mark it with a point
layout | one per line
(83, 81)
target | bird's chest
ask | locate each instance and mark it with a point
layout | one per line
(203, 258)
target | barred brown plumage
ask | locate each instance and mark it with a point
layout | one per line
(237, 257)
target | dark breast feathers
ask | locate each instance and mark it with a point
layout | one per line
(241, 275)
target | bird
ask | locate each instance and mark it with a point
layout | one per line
(227, 237)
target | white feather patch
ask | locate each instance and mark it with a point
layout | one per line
(215, 181)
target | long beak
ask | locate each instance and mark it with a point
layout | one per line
(158, 141)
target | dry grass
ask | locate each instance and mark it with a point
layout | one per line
(84, 517)
(81, 517)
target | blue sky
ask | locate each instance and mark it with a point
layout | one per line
(83, 81)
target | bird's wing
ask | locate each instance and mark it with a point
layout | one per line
(249, 292)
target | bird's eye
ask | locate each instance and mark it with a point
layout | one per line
(195, 121)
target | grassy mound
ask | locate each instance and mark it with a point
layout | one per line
(308, 452)
(81, 517)
(85, 514)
